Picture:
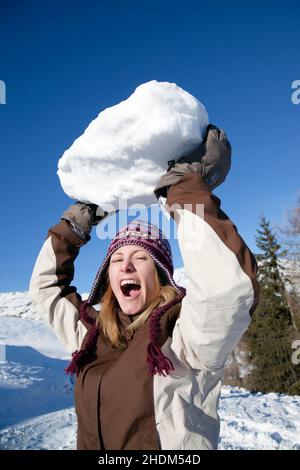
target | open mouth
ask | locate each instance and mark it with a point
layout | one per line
(130, 289)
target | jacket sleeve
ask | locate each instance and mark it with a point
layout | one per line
(57, 302)
(222, 290)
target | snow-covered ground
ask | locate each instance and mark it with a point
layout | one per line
(37, 400)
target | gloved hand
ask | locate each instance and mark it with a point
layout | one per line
(212, 160)
(82, 217)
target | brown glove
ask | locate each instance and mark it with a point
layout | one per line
(212, 160)
(82, 217)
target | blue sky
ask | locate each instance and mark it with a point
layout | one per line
(63, 62)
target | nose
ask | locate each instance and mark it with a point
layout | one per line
(127, 266)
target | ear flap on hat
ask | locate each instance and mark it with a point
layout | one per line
(162, 275)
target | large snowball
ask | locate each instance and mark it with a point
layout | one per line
(125, 150)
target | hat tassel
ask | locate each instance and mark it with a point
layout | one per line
(157, 362)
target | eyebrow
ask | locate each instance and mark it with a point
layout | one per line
(121, 253)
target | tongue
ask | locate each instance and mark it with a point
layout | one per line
(134, 292)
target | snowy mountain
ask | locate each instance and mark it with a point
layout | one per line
(291, 270)
(37, 397)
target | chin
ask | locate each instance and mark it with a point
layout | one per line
(131, 309)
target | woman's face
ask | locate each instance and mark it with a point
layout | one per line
(132, 278)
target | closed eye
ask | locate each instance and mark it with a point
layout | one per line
(116, 260)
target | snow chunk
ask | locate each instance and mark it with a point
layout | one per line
(125, 150)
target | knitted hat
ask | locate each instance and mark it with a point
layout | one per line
(150, 238)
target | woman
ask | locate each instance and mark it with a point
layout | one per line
(150, 364)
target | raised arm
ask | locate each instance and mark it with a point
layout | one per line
(50, 287)
(222, 291)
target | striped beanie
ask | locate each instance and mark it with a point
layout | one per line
(150, 238)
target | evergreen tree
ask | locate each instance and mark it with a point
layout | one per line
(271, 332)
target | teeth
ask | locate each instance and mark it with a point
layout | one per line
(129, 281)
